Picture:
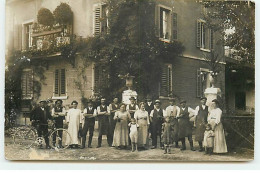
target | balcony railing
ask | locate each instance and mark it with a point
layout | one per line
(50, 40)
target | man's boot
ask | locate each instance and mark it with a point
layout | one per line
(165, 149)
(89, 142)
(169, 150)
(183, 145)
(201, 148)
(191, 146)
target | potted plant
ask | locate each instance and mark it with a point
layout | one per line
(63, 14)
(45, 17)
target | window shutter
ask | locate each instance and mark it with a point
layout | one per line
(199, 84)
(161, 23)
(198, 33)
(164, 82)
(27, 84)
(97, 23)
(62, 82)
(174, 24)
(56, 87)
(211, 39)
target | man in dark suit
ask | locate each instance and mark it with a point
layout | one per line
(41, 115)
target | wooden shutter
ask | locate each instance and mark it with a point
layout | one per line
(27, 84)
(211, 39)
(62, 82)
(56, 85)
(97, 23)
(198, 33)
(174, 25)
(199, 84)
(166, 80)
(161, 23)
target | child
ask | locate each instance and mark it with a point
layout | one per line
(167, 137)
(133, 133)
(208, 141)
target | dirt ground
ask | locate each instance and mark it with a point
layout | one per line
(109, 154)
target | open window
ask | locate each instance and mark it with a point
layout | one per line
(100, 19)
(205, 36)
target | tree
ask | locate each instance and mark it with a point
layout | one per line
(131, 46)
(236, 21)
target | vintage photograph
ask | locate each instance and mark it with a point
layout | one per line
(130, 80)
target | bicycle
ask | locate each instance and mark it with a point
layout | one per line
(27, 136)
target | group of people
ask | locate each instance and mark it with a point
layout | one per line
(133, 125)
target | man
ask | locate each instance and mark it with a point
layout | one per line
(185, 127)
(132, 107)
(114, 106)
(58, 113)
(149, 106)
(201, 113)
(103, 113)
(89, 114)
(172, 111)
(156, 118)
(41, 115)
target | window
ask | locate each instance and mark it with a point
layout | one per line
(28, 35)
(100, 19)
(165, 88)
(204, 36)
(27, 84)
(165, 23)
(202, 81)
(60, 82)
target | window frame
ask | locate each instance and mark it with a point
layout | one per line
(25, 45)
(169, 24)
(205, 39)
(101, 24)
(199, 82)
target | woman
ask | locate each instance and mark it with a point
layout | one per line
(214, 119)
(74, 120)
(142, 119)
(120, 138)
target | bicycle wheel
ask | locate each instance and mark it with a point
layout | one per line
(58, 139)
(24, 137)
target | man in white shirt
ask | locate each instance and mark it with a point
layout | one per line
(103, 113)
(173, 111)
(132, 107)
(89, 114)
(156, 118)
(185, 127)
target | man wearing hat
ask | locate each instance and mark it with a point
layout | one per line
(41, 115)
(156, 118)
(185, 127)
(132, 107)
(58, 113)
(89, 114)
(103, 113)
(201, 113)
(172, 111)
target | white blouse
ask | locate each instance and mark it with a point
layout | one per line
(215, 115)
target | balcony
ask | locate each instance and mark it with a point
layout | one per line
(49, 41)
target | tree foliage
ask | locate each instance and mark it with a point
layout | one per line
(236, 21)
(63, 14)
(131, 46)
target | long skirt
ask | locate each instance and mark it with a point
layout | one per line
(121, 134)
(220, 145)
(142, 132)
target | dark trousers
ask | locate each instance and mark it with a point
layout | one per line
(43, 132)
(156, 129)
(111, 127)
(189, 139)
(103, 128)
(58, 125)
(88, 127)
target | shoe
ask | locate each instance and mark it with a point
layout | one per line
(82, 147)
(183, 148)
(89, 146)
(48, 147)
(153, 147)
(98, 146)
(192, 149)
(201, 149)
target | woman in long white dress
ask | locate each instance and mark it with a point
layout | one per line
(142, 119)
(74, 120)
(122, 118)
(214, 119)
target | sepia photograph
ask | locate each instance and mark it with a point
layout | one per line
(159, 81)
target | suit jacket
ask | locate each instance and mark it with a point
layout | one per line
(41, 115)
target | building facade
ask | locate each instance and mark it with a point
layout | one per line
(187, 76)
